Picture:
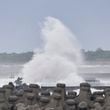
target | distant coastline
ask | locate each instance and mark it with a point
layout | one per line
(98, 56)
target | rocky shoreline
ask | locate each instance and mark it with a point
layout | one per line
(34, 97)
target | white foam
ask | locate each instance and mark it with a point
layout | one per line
(4, 81)
(58, 60)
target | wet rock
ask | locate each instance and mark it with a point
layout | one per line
(56, 102)
(45, 93)
(3, 102)
(12, 102)
(71, 95)
(83, 106)
(8, 90)
(85, 93)
(44, 101)
(70, 104)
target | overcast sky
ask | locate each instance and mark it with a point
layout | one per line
(19, 22)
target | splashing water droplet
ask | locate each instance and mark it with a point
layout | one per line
(58, 60)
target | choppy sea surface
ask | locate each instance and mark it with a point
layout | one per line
(95, 74)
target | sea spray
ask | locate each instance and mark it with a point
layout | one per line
(59, 58)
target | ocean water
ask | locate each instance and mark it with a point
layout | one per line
(10, 70)
(100, 73)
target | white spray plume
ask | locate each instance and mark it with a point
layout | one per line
(58, 60)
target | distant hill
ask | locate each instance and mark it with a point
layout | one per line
(99, 55)
(15, 57)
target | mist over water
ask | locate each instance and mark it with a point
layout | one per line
(59, 58)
